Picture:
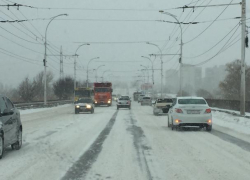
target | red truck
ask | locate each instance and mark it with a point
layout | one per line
(103, 93)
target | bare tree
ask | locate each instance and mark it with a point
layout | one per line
(26, 90)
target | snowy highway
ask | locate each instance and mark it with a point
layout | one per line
(121, 145)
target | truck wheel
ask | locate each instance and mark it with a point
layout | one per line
(1, 147)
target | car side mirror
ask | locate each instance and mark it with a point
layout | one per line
(7, 112)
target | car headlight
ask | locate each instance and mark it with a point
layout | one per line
(77, 106)
(88, 106)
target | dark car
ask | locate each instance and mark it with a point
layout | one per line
(10, 126)
(84, 105)
(124, 102)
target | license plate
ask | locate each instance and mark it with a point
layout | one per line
(193, 112)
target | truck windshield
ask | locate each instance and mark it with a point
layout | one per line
(84, 101)
(102, 89)
(82, 93)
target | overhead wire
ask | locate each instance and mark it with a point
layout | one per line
(237, 26)
(209, 24)
(219, 52)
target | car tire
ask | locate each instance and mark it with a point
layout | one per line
(92, 111)
(76, 112)
(168, 123)
(129, 107)
(172, 126)
(1, 147)
(117, 108)
(17, 145)
(209, 128)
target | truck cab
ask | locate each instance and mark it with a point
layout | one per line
(103, 93)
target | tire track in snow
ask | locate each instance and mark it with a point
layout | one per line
(81, 167)
(226, 137)
(142, 149)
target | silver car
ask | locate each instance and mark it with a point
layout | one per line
(140, 97)
(124, 102)
(84, 105)
(10, 126)
(190, 111)
(146, 101)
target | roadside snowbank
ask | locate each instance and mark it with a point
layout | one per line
(239, 124)
(30, 111)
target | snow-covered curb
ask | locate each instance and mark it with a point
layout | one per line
(238, 124)
(30, 111)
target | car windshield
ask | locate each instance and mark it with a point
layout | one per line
(124, 98)
(191, 101)
(84, 101)
(164, 101)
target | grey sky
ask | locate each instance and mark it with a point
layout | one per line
(67, 31)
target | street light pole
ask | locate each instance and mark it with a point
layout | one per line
(88, 69)
(75, 67)
(152, 66)
(96, 71)
(103, 75)
(243, 65)
(147, 71)
(161, 64)
(45, 58)
(180, 60)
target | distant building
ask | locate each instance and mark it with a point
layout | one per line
(172, 80)
(213, 77)
(192, 78)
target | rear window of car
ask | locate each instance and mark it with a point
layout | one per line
(191, 101)
(164, 100)
(146, 98)
(124, 98)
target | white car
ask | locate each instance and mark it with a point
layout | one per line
(190, 112)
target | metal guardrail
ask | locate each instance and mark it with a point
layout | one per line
(33, 105)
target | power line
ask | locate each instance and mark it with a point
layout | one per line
(21, 45)
(219, 52)
(237, 27)
(208, 25)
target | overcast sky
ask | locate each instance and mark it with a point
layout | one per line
(103, 22)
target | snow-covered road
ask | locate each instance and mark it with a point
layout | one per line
(121, 145)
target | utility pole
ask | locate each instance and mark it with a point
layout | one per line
(61, 64)
(243, 48)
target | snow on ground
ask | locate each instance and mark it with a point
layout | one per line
(235, 123)
(30, 111)
(139, 146)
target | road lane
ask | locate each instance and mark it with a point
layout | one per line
(53, 141)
